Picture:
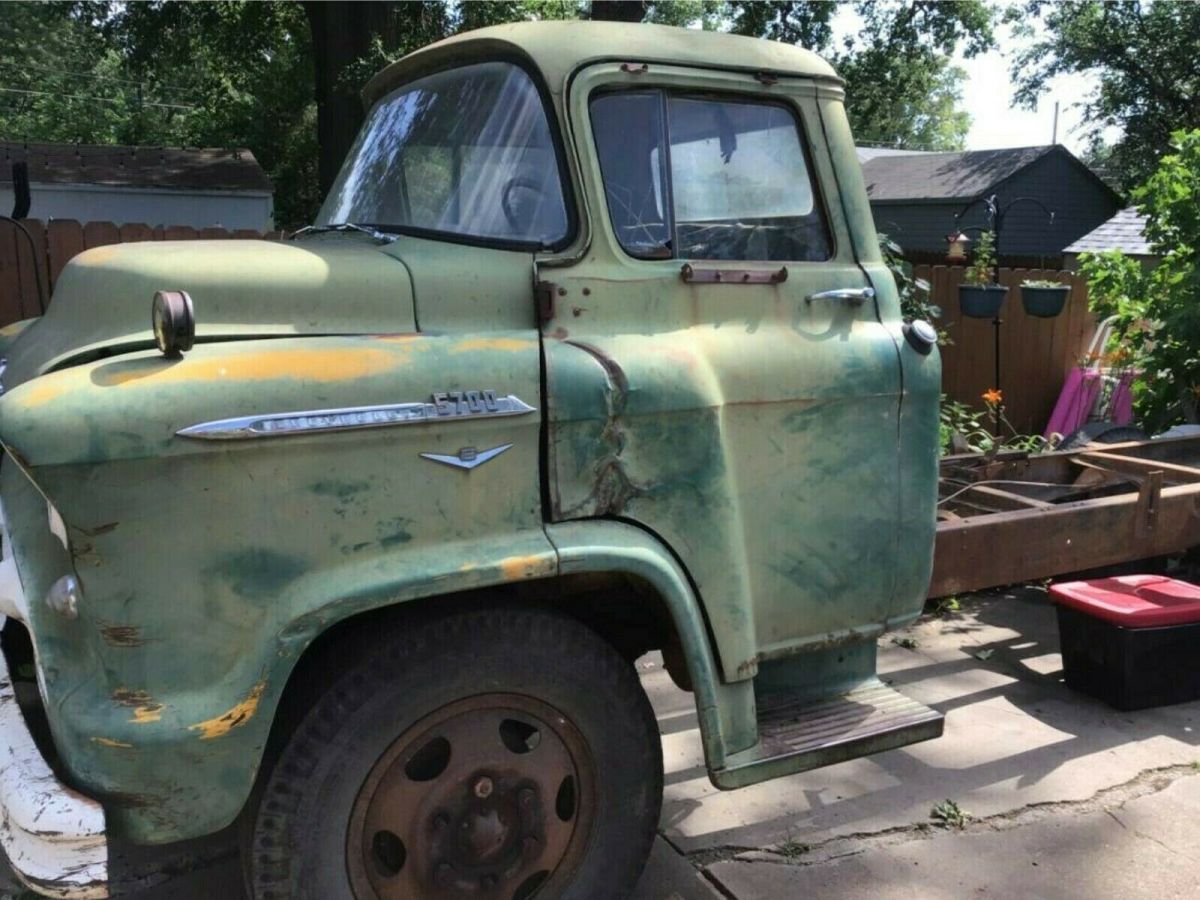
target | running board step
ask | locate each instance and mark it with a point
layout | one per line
(796, 735)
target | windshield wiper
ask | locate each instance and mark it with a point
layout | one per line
(382, 236)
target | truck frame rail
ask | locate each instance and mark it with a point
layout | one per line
(1014, 517)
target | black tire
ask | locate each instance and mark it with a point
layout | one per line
(297, 845)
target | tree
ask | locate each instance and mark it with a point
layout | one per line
(1147, 58)
(1158, 310)
(345, 36)
(901, 88)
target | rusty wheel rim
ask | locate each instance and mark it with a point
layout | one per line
(491, 797)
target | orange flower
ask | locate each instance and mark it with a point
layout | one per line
(992, 396)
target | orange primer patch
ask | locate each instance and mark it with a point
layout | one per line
(305, 364)
(43, 390)
(221, 725)
(504, 345)
(109, 742)
(96, 256)
(515, 568)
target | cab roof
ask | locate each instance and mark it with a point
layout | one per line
(559, 48)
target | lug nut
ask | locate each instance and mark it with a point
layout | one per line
(483, 788)
(443, 872)
(525, 797)
(440, 821)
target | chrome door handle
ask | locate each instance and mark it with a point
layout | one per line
(854, 296)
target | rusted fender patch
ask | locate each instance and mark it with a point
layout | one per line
(240, 714)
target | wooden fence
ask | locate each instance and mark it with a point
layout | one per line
(57, 241)
(1035, 354)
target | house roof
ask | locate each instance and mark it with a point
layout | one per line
(1124, 232)
(170, 168)
(958, 175)
(869, 153)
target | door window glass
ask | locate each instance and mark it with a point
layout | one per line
(739, 185)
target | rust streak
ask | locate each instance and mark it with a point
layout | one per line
(121, 635)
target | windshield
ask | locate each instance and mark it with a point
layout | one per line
(466, 152)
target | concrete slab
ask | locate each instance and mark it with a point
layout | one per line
(1140, 848)
(1015, 735)
(669, 876)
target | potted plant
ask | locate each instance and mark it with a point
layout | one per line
(1044, 298)
(979, 296)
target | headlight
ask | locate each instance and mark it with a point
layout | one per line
(173, 321)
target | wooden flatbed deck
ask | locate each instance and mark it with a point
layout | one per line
(1015, 517)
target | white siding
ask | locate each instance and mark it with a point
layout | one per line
(95, 203)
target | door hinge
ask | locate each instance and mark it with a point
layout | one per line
(545, 292)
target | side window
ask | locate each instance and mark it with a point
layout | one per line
(699, 178)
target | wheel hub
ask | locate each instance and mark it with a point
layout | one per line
(488, 797)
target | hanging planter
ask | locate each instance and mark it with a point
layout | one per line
(979, 296)
(981, 301)
(1044, 299)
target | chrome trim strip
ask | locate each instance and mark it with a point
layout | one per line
(462, 407)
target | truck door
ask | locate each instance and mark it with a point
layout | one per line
(719, 370)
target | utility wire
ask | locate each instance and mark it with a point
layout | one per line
(23, 67)
(94, 99)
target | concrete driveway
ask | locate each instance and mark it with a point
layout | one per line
(1062, 796)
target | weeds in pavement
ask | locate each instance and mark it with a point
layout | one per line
(949, 815)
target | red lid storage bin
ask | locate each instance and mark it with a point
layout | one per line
(1133, 640)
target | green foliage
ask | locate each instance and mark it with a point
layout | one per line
(1145, 56)
(902, 89)
(1157, 310)
(962, 429)
(915, 302)
(948, 814)
(956, 418)
(983, 261)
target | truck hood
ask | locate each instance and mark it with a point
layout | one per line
(333, 284)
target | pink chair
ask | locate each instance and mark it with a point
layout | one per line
(1083, 398)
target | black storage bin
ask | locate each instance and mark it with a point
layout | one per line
(1130, 668)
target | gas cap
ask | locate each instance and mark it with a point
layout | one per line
(921, 336)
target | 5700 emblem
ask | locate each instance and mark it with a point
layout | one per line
(466, 403)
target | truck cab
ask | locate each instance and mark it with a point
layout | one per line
(352, 538)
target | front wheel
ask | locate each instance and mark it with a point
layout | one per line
(494, 754)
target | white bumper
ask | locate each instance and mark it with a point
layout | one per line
(54, 838)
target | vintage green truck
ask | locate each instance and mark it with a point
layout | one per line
(352, 539)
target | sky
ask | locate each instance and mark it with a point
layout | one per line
(987, 96)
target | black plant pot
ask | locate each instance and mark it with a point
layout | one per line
(1045, 302)
(981, 301)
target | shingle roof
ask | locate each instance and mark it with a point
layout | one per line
(1123, 232)
(868, 153)
(171, 168)
(943, 176)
